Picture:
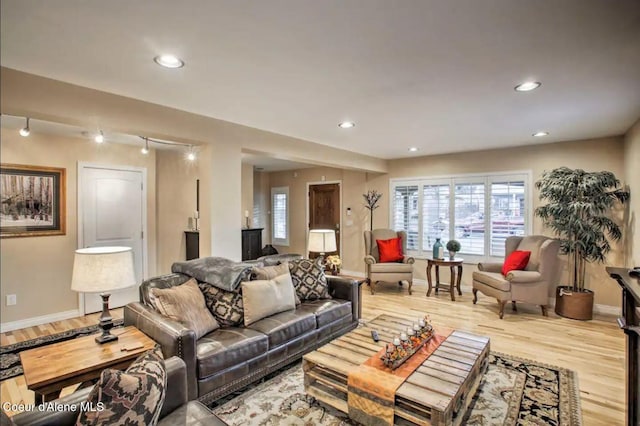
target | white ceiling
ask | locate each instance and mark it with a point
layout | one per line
(438, 75)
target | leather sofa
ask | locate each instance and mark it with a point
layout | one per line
(230, 358)
(177, 410)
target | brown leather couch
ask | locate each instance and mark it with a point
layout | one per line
(177, 410)
(229, 358)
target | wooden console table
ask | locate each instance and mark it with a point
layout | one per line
(453, 264)
(50, 368)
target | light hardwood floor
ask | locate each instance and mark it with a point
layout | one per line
(595, 349)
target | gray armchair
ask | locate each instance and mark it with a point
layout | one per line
(528, 286)
(386, 272)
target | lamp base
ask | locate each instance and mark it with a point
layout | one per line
(106, 321)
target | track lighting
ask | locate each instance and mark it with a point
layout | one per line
(191, 156)
(25, 131)
(145, 148)
(99, 137)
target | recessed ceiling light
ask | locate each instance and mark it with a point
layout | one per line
(99, 138)
(169, 61)
(347, 125)
(540, 134)
(413, 149)
(527, 86)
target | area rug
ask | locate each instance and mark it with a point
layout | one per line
(513, 391)
(10, 365)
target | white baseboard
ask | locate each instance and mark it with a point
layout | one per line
(597, 308)
(44, 319)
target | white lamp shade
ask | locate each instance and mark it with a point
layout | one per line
(322, 240)
(103, 269)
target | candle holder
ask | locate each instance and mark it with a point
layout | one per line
(408, 344)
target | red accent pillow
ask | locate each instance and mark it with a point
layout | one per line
(517, 260)
(390, 250)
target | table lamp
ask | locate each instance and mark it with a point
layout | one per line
(103, 270)
(322, 241)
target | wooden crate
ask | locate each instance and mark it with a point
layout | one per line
(437, 393)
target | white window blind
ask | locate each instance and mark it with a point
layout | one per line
(280, 216)
(405, 213)
(507, 212)
(469, 216)
(435, 214)
(480, 211)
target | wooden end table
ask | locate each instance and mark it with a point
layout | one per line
(49, 369)
(453, 264)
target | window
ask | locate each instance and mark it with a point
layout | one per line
(479, 211)
(280, 216)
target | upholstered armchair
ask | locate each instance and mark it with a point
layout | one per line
(386, 272)
(530, 285)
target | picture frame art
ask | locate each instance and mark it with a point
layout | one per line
(33, 201)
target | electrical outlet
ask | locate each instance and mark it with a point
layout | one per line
(12, 299)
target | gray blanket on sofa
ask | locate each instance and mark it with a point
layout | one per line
(217, 271)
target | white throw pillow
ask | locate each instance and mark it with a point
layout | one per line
(262, 298)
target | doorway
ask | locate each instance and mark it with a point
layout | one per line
(324, 209)
(112, 212)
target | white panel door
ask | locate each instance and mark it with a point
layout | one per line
(112, 215)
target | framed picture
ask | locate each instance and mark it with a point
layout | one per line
(33, 201)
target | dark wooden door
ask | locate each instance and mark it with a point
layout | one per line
(324, 210)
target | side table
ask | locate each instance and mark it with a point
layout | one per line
(50, 368)
(453, 264)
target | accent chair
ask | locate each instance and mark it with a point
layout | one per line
(528, 286)
(386, 272)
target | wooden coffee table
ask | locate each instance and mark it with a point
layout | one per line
(49, 369)
(437, 393)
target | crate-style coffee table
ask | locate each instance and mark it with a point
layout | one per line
(436, 393)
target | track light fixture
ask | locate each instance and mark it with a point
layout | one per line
(25, 131)
(99, 137)
(191, 155)
(145, 148)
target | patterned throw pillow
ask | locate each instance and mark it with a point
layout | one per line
(134, 396)
(309, 279)
(226, 306)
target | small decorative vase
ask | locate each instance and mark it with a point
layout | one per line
(438, 250)
(452, 255)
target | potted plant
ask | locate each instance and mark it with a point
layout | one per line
(371, 199)
(578, 207)
(453, 246)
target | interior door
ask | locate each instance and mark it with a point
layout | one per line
(324, 210)
(112, 215)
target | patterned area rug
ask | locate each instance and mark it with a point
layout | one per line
(514, 391)
(10, 365)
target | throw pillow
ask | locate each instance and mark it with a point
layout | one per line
(262, 298)
(390, 250)
(517, 260)
(309, 279)
(134, 396)
(226, 306)
(185, 304)
(270, 272)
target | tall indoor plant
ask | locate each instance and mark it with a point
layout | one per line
(578, 211)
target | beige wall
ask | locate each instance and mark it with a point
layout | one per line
(176, 198)
(38, 269)
(599, 154)
(262, 205)
(352, 187)
(247, 194)
(632, 178)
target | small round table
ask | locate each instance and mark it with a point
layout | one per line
(455, 280)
